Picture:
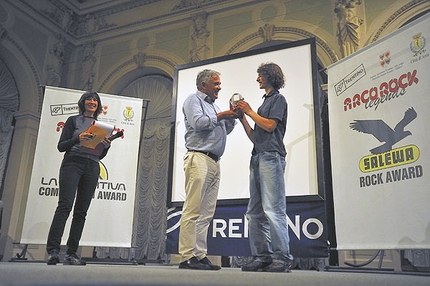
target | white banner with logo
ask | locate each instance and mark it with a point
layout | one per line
(110, 217)
(379, 107)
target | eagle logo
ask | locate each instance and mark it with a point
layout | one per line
(383, 132)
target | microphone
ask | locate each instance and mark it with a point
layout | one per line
(116, 135)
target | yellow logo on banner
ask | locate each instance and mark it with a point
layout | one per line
(393, 158)
(417, 46)
(418, 42)
(103, 172)
(128, 113)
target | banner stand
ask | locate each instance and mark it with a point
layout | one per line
(131, 260)
(362, 270)
(373, 270)
(126, 114)
(20, 256)
(360, 267)
(381, 258)
(380, 205)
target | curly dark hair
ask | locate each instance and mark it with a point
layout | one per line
(273, 74)
(89, 95)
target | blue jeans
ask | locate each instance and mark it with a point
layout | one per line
(266, 213)
(78, 178)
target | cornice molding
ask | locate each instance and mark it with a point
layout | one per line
(281, 33)
(80, 21)
(132, 62)
(395, 16)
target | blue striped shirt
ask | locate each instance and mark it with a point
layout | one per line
(203, 131)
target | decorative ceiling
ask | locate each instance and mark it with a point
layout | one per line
(82, 20)
(86, 6)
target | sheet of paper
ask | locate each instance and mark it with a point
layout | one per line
(100, 130)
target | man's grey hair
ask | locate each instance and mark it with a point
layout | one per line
(204, 76)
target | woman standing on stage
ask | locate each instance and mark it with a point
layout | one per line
(79, 174)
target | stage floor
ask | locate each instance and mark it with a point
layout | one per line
(37, 273)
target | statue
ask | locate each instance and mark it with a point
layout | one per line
(348, 26)
(88, 63)
(55, 63)
(199, 38)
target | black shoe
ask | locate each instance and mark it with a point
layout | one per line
(279, 266)
(73, 259)
(194, 263)
(255, 266)
(53, 258)
(206, 261)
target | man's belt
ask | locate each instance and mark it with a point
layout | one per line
(211, 155)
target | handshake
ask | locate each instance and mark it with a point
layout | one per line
(235, 98)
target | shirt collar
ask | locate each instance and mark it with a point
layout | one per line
(209, 99)
(272, 92)
(205, 97)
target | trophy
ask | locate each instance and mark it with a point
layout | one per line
(233, 103)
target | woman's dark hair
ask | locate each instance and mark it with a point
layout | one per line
(90, 95)
(273, 74)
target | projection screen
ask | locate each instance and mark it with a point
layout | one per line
(238, 74)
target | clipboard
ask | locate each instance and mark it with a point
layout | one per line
(99, 130)
(98, 150)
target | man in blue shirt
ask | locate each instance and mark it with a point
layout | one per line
(205, 139)
(266, 212)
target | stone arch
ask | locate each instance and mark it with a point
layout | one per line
(9, 104)
(151, 187)
(24, 71)
(133, 68)
(393, 18)
(325, 53)
(148, 77)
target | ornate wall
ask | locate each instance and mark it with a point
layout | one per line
(131, 48)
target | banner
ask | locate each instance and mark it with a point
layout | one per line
(228, 231)
(379, 108)
(110, 216)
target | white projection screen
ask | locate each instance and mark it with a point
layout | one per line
(239, 74)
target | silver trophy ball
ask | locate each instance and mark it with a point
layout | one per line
(233, 102)
(235, 98)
